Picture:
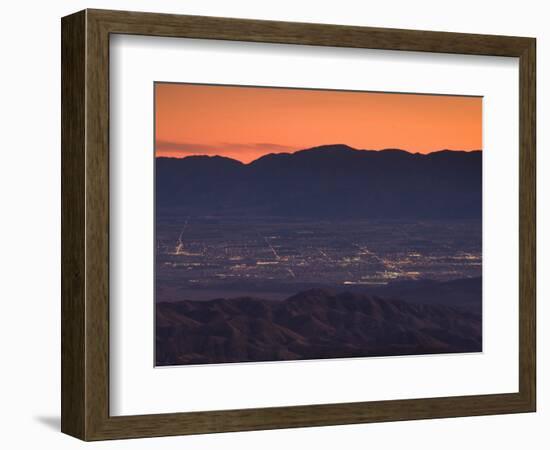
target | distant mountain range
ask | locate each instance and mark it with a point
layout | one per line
(332, 181)
(314, 324)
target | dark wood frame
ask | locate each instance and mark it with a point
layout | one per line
(85, 224)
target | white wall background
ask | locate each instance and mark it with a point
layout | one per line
(30, 221)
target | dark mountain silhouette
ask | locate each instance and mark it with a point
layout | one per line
(328, 181)
(313, 324)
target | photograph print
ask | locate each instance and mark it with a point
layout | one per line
(299, 224)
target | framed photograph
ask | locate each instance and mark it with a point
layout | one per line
(273, 225)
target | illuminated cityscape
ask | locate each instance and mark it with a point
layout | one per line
(228, 256)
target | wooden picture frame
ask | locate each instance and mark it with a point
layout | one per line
(85, 224)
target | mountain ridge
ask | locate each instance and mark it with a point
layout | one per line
(327, 181)
(319, 148)
(313, 324)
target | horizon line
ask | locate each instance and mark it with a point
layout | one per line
(205, 155)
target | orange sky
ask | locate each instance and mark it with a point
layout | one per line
(245, 123)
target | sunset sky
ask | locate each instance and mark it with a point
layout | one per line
(245, 123)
